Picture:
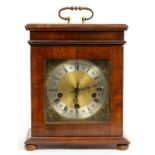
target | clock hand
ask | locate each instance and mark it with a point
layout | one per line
(88, 87)
(77, 85)
(81, 89)
(76, 105)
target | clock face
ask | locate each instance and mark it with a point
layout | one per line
(76, 89)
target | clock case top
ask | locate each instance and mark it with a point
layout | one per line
(77, 41)
(45, 34)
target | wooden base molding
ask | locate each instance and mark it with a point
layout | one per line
(32, 143)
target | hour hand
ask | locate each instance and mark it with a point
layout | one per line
(75, 90)
(77, 85)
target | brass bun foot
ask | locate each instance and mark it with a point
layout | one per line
(30, 147)
(122, 146)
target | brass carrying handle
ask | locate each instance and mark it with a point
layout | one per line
(75, 8)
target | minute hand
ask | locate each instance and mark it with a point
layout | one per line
(88, 87)
(85, 88)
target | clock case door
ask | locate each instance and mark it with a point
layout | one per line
(77, 41)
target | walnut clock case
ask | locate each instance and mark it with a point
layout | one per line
(76, 85)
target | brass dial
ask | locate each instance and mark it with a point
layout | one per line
(68, 84)
(76, 89)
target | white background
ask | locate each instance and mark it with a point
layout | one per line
(139, 73)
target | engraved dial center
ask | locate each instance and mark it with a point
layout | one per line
(67, 86)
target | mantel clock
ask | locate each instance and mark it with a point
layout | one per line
(76, 85)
